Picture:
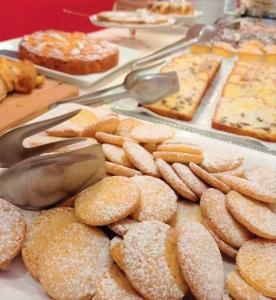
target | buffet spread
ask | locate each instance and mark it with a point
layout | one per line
(155, 196)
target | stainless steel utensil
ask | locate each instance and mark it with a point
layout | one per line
(43, 181)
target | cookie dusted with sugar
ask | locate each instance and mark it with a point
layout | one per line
(74, 53)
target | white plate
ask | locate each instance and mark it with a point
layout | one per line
(126, 56)
(17, 284)
(95, 21)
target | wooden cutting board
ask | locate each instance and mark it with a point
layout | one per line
(19, 108)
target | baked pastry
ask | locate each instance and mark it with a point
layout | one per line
(178, 7)
(73, 53)
(195, 72)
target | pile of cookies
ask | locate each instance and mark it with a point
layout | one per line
(175, 210)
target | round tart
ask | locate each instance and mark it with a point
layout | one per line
(73, 53)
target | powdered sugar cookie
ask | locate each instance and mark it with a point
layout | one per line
(249, 189)
(113, 285)
(74, 126)
(176, 140)
(151, 133)
(72, 261)
(106, 124)
(112, 139)
(221, 160)
(157, 202)
(125, 126)
(256, 216)
(107, 201)
(150, 147)
(256, 262)
(263, 177)
(121, 227)
(223, 247)
(173, 157)
(209, 178)
(12, 233)
(214, 211)
(240, 290)
(239, 172)
(119, 170)
(41, 230)
(116, 251)
(201, 262)
(116, 155)
(150, 261)
(174, 181)
(141, 159)
(188, 177)
(184, 148)
(186, 212)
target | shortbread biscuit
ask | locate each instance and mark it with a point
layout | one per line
(152, 133)
(256, 216)
(209, 178)
(157, 202)
(107, 201)
(223, 247)
(116, 155)
(240, 290)
(113, 285)
(107, 124)
(43, 227)
(116, 251)
(221, 160)
(174, 157)
(12, 233)
(125, 126)
(239, 172)
(174, 181)
(186, 212)
(112, 139)
(248, 188)
(256, 262)
(74, 126)
(121, 227)
(176, 140)
(264, 177)
(184, 148)
(188, 177)
(72, 261)
(150, 261)
(119, 170)
(150, 147)
(141, 159)
(214, 211)
(201, 262)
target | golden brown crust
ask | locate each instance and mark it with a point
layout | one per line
(73, 66)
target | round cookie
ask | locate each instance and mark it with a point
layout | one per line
(256, 216)
(121, 227)
(116, 251)
(184, 148)
(125, 126)
(72, 261)
(12, 233)
(151, 133)
(150, 261)
(214, 211)
(248, 188)
(174, 181)
(223, 247)
(44, 226)
(157, 201)
(240, 290)
(221, 160)
(115, 169)
(112, 139)
(256, 262)
(113, 285)
(107, 201)
(201, 262)
(179, 157)
(141, 159)
(106, 124)
(239, 172)
(209, 178)
(188, 177)
(116, 155)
